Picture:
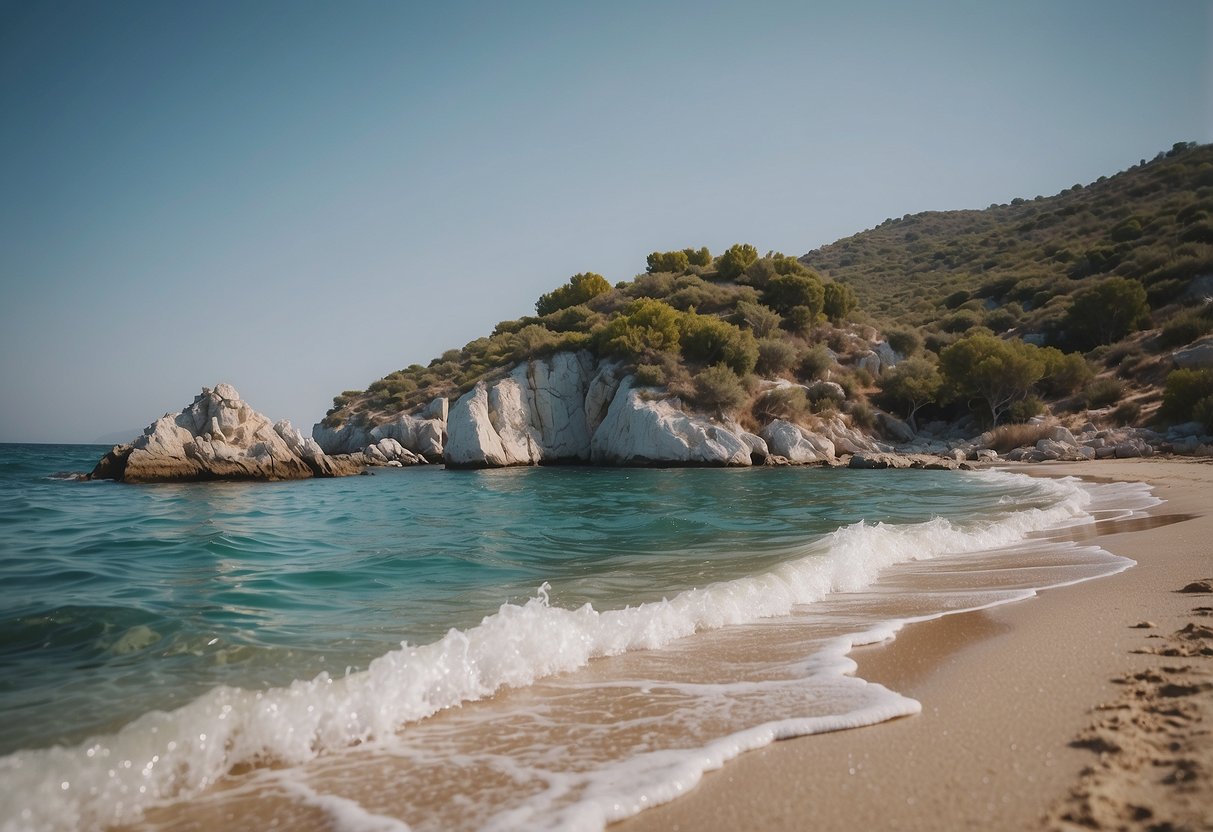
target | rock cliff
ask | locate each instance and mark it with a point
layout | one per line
(219, 437)
(568, 408)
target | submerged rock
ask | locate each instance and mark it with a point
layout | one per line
(219, 437)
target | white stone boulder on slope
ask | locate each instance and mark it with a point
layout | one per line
(568, 408)
(796, 444)
(422, 432)
(218, 436)
(640, 430)
(543, 411)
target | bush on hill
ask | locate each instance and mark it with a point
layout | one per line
(579, 289)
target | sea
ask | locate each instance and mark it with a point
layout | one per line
(423, 649)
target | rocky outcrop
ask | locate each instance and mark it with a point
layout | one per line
(879, 358)
(568, 408)
(796, 444)
(640, 429)
(219, 437)
(1196, 355)
(421, 433)
(545, 410)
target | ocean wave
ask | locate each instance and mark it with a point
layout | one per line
(161, 757)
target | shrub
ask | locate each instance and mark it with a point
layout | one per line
(789, 403)
(904, 341)
(1185, 328)
(650, 375)
(1106, 312)
(762, 320)
(1000, 320)
(1126, 413)
(838, 301)
(734, 261)
(698, 257)
(960, 321)
(862, 415)
(775, 356)
(709, 340)
(1202, 412)
(1103, 392)
(656, 286)
(580, 288)
(1183, 391)
(788, 291)
(909, 386)
(1025, 409)
(1065, 373)
(955, 299)
(814, 363)
(800, 320)
(718, 388)
(765, 269)
(649, 326)
(579, 318)
(668, 261)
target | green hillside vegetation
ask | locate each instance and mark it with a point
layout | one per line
(1119, 269)
(1018, 267)
(1003, 313)
(695, 324)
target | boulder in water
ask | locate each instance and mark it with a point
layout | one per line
(219, 437)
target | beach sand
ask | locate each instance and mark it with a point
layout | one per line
(1087, 707)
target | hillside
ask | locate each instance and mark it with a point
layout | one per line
(1015, 266)
(1071, 304)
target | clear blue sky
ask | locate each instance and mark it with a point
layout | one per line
(299, 197)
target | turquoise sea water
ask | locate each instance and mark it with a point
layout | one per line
(120, 601)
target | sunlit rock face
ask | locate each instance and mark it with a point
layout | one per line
(219, 437)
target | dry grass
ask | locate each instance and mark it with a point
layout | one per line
(1009, 437)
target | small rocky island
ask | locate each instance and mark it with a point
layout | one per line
(220, 437)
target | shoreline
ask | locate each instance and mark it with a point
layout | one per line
(1004, 699)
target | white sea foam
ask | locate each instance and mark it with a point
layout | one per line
(161, 757)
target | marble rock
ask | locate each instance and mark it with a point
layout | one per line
(217, 437)
(641, 429)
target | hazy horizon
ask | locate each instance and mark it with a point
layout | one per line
(298, 198)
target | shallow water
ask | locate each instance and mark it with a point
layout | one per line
(719, 605)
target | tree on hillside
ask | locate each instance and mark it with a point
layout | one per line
(698, 257)
(1107, 312)
(785, 292)
(734, 261)
(839, 301)
(668, 261)
(647, 327)
(580, 288)
(709, 340)
(909, 386)
(981, 366)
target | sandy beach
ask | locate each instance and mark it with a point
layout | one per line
(1087, 707)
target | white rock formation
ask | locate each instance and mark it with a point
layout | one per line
(568, 408)
(423, 432)
(797, 444)
(640, 430)
(218, 436)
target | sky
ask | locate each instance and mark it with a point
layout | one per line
(300, 197)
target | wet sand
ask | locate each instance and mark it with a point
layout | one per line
(1088, 706)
